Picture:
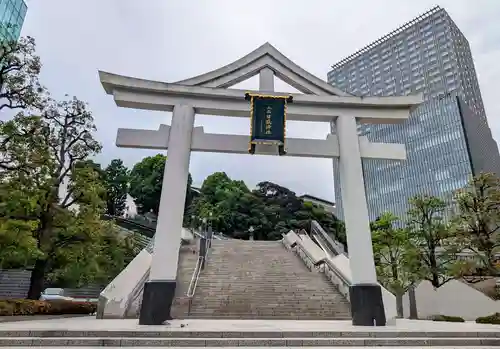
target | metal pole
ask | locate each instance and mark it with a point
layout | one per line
(203, 251)
(210, 235)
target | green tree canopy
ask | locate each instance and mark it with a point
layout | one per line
(19, 69)
(434, 239)
(146, 179)
(116, 182)
(61, 237)
(477, 221)
(145, 183)
(270, 209)
(397, 262)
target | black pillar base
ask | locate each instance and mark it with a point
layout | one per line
(367, 307)
(157, 301)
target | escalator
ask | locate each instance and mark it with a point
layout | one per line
(322, 239)
(131, 225)
(148, 231)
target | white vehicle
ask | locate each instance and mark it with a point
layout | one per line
(54, 294)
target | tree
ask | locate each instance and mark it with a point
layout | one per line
(146, 180)
(477, 222)
(435, 241)
(88, 163)
(116, 183)
(39, 154)
(333, 226)
(19, 70)
(18, 248)
(220, 203)
(397, 259)
(270, 209)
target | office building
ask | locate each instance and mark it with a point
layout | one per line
(447, 138)
(12, 14)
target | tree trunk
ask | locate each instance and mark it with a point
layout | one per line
(37, 279)
(399, 304)
(492, 268)
(433, 268)
(413, 303)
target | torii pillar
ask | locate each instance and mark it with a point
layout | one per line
(207, 94)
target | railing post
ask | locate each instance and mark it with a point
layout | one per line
(210, 235)
(203, 251)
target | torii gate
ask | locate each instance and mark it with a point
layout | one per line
(208, 94)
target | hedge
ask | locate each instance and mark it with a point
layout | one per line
(447, 318)
(12, 307)
(490, 319)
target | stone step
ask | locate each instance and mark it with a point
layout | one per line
(273, 306)
(252, 280)
(239, 342)
(459, 331)
(259, 297)
(277, 307)
(270, 315)
(267, 287)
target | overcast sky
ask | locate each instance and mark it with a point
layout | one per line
(170, 40)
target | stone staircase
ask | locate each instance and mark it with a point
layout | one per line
(263, 280)
(78, 334)
(188, 256)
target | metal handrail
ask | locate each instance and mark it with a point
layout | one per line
(214, 236)
(196, 274)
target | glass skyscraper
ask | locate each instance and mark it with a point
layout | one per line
(447, 138)
(12, 13)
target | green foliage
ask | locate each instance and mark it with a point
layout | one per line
(447, 318)
(146, 180)
(116, 183)
(62, 238)
(490, 319)
(145, 183)
(20, 307)
(270, 209)
(436, 242)
(18, 246)
(477, 222)
(397, 259)
(19, 69)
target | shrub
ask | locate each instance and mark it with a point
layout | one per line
(67, 307)
(490, 319)
(447, 318)
(12, 307)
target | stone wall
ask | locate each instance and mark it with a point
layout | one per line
(14, 283)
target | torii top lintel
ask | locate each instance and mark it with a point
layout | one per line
(209, 94)
(265, 56)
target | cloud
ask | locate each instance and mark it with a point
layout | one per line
(173, 40)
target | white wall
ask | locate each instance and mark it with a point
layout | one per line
(121, 289)
(453, 298)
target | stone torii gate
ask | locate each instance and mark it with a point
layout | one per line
(208, 94)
